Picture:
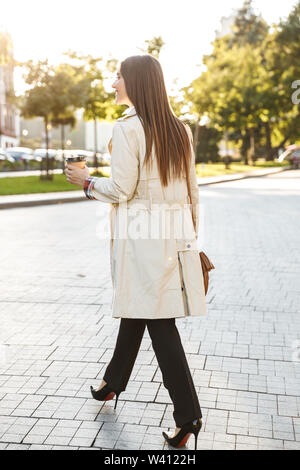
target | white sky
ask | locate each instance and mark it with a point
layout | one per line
(42, 29)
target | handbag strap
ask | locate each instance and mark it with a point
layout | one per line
(207, 265)
(188, 184)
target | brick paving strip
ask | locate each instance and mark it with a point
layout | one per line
(57, 334)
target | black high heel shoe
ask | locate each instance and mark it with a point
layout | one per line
(105, 394)
(183, 435)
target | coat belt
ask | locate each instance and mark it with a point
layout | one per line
(147, 203)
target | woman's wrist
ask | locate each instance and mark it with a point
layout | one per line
(89, 186)
(86, 182)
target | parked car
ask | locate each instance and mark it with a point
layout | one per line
(295, 159)
(42, 153)
(60, 153)
(5, 158)
(23, 154)
(291, 154)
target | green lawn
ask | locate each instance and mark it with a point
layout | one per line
(33, 184)
(218, 169)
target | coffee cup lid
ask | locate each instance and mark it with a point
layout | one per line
(76, 159)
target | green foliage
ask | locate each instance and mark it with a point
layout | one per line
(245, 89)
(282, 60)
(229, 90)
(207, 147)
(98, 103)
(153, 46)
(37, 100)
(218, 169)
(55, 92)
(248, 28)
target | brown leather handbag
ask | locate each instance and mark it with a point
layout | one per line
(206, 267)
(205, 261)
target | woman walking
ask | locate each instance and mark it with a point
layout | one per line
(156, 277)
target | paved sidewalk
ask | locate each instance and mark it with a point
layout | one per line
(40, 199)
(18, 174)
(27, 200)
(57, 334)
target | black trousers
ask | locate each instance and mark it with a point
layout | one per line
(171, 359)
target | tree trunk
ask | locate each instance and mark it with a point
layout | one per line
(48, 175)
(251, 151)
(270, 155)
(275, 149)
(245, 146)
(96, 145)
(196, 138)
(226, 141)
(63, 146)
(47, 147)
(227, 158)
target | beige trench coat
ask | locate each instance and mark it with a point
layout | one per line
(156, 276)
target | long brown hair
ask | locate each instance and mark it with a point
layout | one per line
(145, 87)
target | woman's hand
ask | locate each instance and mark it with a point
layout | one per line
(77, 175)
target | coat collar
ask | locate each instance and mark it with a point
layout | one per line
(128, 113)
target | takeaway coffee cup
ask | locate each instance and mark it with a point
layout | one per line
(78, 161)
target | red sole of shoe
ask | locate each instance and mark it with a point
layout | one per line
(109, 396)
(184, 440)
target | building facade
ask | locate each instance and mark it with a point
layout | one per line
(9, 116)
(81, 137)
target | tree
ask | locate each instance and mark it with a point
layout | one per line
(63, 120)
(70, 91)
(248, 28)
(38, 100)
(153, 46)
(246, 88)
(54, 94)
(99, 103)
(285, 71)
(207, 146)
(229, 91)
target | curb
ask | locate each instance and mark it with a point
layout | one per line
(241, 176)
(62, 198)
(41, 202)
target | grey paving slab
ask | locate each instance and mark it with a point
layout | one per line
(57, 334)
